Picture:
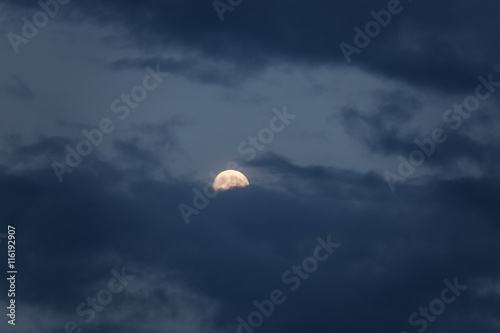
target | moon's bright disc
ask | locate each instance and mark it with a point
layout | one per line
(228, 179)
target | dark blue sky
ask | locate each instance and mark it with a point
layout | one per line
(371, 126)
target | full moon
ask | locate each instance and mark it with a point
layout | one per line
(228, 179)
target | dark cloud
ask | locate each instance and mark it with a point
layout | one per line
(120, 207)
(395, 252)
(380, 128)
(427, 44)
(386, 129)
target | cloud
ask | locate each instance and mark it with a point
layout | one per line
(381, 127)
(17, 88)
(427, 45)
(396, 250)
(120, 208)
(390, 126)
(206, 72)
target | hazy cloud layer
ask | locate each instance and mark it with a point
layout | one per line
(322, 175)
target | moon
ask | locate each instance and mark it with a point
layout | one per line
(229, 179)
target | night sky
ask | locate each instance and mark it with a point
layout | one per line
(368, 131)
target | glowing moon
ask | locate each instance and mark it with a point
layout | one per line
(228, 179)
